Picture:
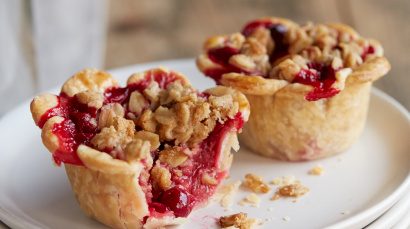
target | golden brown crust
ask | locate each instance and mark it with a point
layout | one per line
(253, 85)
(371, 70)
(88, 79)
(50, 140)
(136, 77)
(116, 200)
(295, 129)
(102, 162)
(41, 104)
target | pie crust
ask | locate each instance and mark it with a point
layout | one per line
(125, 148)
(308, 85)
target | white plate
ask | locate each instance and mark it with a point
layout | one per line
(363, 182)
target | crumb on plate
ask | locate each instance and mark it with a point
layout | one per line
(226, 194)
(251, 199)
(255, 183)
(238, 220)
(316, 171)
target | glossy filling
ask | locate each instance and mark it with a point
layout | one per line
(221, 55)
(321, 78)
(187, 191)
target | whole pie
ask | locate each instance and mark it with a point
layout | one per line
(308, 85)
(144, 155)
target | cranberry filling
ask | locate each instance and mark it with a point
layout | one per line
(60, 110)
(178, 200)
(222, 55)
(189, 191)
(367, 51)
(66, 132)
(277, 33)
(322, 80)
(116, 95)
(78, 127)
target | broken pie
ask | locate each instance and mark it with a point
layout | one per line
(144, 155)
(308, 85)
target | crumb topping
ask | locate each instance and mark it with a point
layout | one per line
(280, 49)
(173, 156)
(161, 177)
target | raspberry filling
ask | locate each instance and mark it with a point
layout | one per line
(187, 190)
(321, 77)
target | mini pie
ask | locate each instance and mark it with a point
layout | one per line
(308, 85)
(143, 155)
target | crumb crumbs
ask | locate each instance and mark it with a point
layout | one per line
(238, 220)
(251, 199)
(292, 190)
(316, 171)
(275, 196)
(226, 193)
(285, 180)
(288, 187)
(286, 218)
(255, 183)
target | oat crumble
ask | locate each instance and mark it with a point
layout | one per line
(255, 183)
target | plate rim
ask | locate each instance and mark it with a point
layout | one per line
(15, 221)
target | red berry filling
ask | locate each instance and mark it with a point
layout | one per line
(321, 79)
(178, 200)
(222, 55)
(367, 51)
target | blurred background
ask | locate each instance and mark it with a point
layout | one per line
(42, 42)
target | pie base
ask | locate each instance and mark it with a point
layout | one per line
(114, 197)
(287, 127)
